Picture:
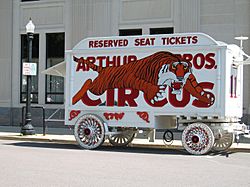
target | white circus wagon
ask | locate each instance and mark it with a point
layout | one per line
(118, 86)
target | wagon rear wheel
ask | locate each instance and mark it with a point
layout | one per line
(124, 137)
(223, 142)
(197, 138)
(89, 131)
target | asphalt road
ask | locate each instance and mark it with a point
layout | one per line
(49, 164)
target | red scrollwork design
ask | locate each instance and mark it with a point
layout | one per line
(144, 116)
(73, 114)
(116, 116)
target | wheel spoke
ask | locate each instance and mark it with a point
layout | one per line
(89, 131)
(197, 138)
(224, 142)
(122, 139)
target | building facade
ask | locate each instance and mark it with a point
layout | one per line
(61, 24)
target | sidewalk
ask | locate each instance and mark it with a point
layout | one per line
(65, 136)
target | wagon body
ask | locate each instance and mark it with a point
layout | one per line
(212, 67)
(116, 86)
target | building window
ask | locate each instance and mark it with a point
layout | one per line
(165, 30)
(28, 0)
(24, 58)
(130, 32)
(54, 55)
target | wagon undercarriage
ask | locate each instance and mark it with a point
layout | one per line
(197, 137)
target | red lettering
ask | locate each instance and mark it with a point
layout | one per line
(137, 42)
(164, 42)
(91, 44)
(89, 102)
(199, 61)
(100, 59)
(108, 43)
(144, 41)
(81, 66)
(195, 39)
(210, 59)
(110, 62)
(233, 86)
(156, 104)
(125, 98)
(176, 103)
(110, 101)
(172, 41)
(183, 40)
(188, 57)
(179, 40)
(204, 85)
(116, 116)
(91, 59)
(132, 58)
(189, 39)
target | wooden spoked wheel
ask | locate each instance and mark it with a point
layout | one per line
(197, 138)
(223, 142)
(124, 137)
(89, 131)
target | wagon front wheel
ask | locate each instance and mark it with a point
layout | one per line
(197, 138)
(89, 131)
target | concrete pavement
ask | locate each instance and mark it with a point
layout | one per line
(65, 135)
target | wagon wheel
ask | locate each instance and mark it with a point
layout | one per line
(197, 138)
(123, 139)
(89, 131)
(224, 142)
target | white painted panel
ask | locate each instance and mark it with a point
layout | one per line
(43, 15)
(242, 12)
(146, 10)
(5, 52)
(190, 15)
(215, 19)
(101, 17)
(216, 8)
(91, 18)
(5, 29)
(79, 20)
(5, 83)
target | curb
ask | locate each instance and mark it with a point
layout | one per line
(106, 143)
(36, 139)
(135, 144)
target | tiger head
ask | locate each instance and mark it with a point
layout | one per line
(175, 75)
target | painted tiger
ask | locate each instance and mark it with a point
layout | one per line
(150, 75)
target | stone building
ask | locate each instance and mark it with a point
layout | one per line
(60, 24)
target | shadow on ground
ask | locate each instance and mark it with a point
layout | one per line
(137, 150)
(102, 148)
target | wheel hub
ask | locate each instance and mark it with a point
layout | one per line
(87, 131)
(195, 139)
